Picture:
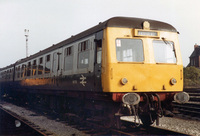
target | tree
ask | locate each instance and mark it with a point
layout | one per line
(191, 77)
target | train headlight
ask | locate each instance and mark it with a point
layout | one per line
(182, 97)
(131, 99)
(124, 81)
(173, 81)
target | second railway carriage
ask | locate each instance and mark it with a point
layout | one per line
(133, 63)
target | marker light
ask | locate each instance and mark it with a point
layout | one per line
(124, 81)
(146, 25)
(173, 81)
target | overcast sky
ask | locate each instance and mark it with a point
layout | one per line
(52, 21)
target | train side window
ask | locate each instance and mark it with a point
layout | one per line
(7, 74)
(4, 74)
(47, 64)
(54, 62)
(23, 71)
(40, 66)
(18, 72)
(11, 73)
(83, 54)
(68, 58)
(29, 69)
(15, 72)
(34, 67)
(0, 75)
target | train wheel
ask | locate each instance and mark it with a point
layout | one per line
(111, 119)
(147, 119)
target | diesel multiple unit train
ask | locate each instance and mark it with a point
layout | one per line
(121, 67)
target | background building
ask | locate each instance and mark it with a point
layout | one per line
(195, 57)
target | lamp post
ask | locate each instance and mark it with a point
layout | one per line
(26, 31)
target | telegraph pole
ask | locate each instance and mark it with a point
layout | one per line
(26, 31)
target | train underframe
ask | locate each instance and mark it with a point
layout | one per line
(107, 109)
(144, 108)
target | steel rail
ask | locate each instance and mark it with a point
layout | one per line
(32, 126)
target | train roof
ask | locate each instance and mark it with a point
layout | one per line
(123, 22)
(7, 67)
(137, 23)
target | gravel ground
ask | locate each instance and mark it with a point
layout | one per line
(57, 128)
(190, 127)
(186, 126)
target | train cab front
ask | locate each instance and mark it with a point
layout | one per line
(143, 69)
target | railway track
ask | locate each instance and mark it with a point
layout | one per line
(95, 129)
(148, 131)
(192, 108)
(93, 126)
(12, 124)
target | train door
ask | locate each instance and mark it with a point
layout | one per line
(97, 67)
(98, 56)
(60, 58)
(56, 66)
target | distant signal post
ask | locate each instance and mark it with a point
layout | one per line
(26, 31)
